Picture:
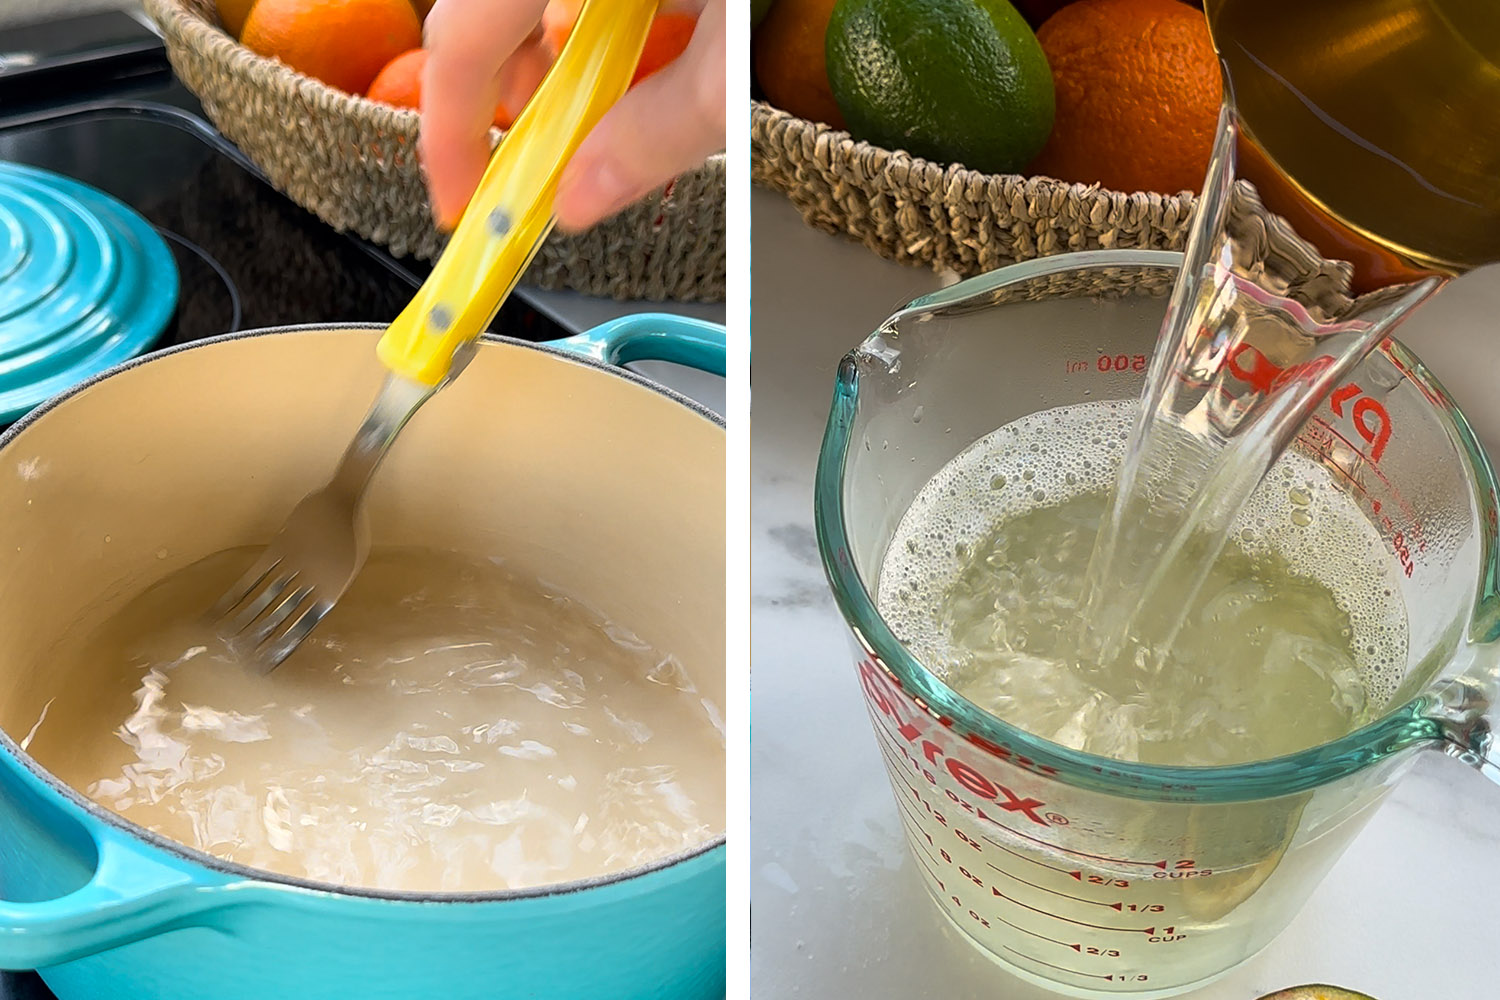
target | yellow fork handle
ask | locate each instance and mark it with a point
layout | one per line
(511, 212)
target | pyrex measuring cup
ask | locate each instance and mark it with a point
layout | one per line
(1093, 876)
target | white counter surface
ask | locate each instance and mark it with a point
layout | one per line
(1409, 913)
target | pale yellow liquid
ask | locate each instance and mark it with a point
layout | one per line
(1376, 114)
(1297, 637)
(451, 726)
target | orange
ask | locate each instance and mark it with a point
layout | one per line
(668, 37)
(1137, 89)
(400, 85)
(232, 14)
(344, 43)
(786, 52)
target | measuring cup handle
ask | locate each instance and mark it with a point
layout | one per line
(1466, 719)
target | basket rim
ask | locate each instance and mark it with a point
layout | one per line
(192, 24)
(765, 115)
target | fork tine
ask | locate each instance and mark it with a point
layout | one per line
(247, 585)
(280, 647)
(263, 599)
(264, 627)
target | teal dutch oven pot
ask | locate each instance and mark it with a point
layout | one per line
(550, 454)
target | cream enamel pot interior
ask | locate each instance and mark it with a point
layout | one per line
(562, 462)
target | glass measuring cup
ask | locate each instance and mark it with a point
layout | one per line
(1091, 876)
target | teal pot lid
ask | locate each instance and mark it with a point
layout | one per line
(85, 283)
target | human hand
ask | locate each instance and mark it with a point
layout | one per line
(487, 52)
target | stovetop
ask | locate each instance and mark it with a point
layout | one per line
(94, 99)
(247, 256)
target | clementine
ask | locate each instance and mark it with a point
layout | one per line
(1137, 89)
(400, 85)
(344, 43)
(788, 55)
(668, 37)
(232, 14)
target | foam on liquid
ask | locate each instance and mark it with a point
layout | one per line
(1298, 637)
(452, 726)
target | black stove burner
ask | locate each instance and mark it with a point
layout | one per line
(247, 257)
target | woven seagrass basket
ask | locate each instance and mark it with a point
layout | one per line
(948, 218)
(352, 162)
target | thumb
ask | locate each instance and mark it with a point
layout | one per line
(666, 124)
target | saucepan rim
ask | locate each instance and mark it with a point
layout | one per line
(103, 815)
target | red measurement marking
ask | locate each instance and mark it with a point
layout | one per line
(1118, 883)
(933, 874)
(1043, 888)
(1067, 850)
(1370, 417)
(1148, 931)
(995, 793)
(895, 766)
(925, 849)
(1406, 508)
(900, 801)
(1076, 947)
(1034, 861)
(1059, 968)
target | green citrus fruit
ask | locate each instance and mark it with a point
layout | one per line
(956, 81)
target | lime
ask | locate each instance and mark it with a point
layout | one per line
(951, 80)
(1316, 993)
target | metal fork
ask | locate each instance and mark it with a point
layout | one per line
(323, 544)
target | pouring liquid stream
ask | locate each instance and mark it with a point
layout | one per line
(1385, 159)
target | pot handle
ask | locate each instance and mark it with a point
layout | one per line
(130, 896)
(695, 343)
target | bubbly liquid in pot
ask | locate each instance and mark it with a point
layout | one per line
(452, 726)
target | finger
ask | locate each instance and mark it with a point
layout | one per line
(521, 75)
(666, 124)
(468, 42)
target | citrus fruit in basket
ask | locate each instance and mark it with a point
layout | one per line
(400, 85)
(344, 43)
(1138, 92)
(956, 81)
(787, 53)
(232, 14)
(669, 35)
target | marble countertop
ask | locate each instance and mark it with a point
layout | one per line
(838, 909)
